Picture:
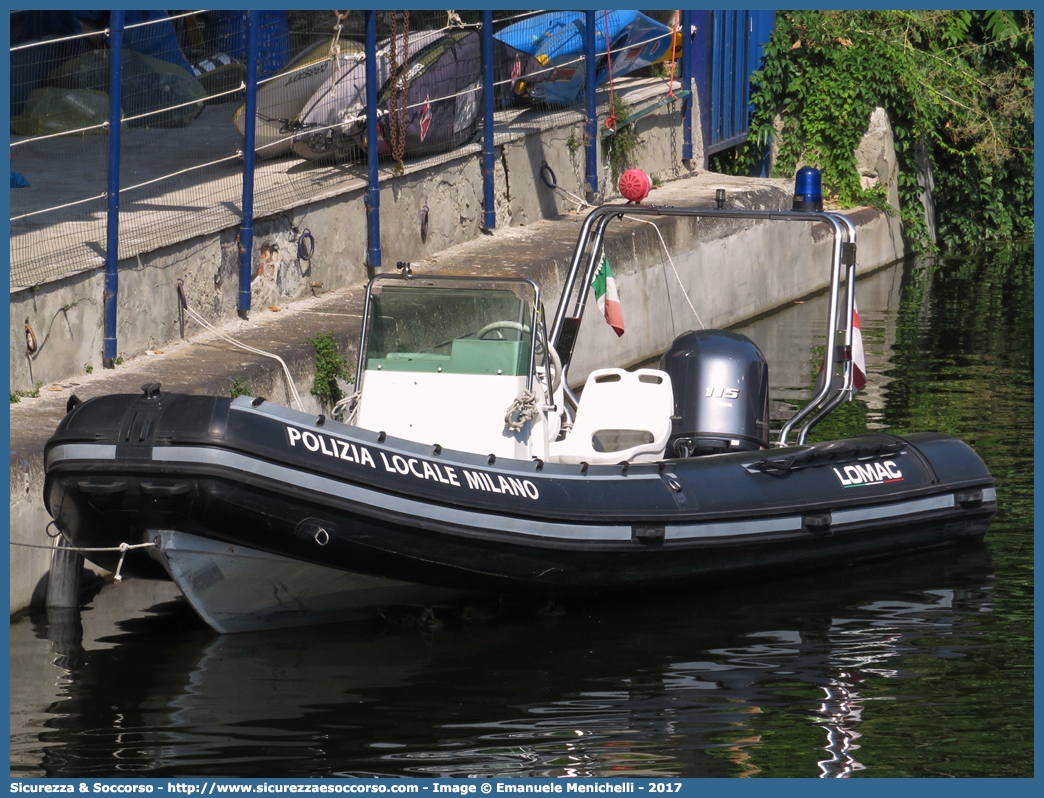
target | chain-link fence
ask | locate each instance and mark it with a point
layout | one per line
(182, 110)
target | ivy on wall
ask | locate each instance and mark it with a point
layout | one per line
(958, 89)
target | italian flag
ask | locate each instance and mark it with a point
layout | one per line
(608, 299)
(858, 358)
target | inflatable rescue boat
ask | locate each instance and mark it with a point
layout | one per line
(463, 463)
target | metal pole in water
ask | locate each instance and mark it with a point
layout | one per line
(488, 202)
(112, 239)
(63, 581)
(591, 124)
(246, 230)
(373, 191)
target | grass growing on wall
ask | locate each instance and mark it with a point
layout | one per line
(329, 366)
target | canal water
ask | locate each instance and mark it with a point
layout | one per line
(918, 666)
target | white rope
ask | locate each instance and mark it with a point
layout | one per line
(673, 267)
(179, 105)
(246, 347)
(581, 204)
(103, 32)
(128, 189)
(330, 313)
(59, 207)
(105, 124)
(525, 407)
(175, 174)
(335, 48)
(351, 120)
(125, 119)
(34, 139)
(29, 45)
(347, 407)
(123, 548)
(630, 46)
(289, 379)
(523, 15)
(239, 88)
(162, 19)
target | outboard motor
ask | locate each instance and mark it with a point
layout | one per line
(720, 382)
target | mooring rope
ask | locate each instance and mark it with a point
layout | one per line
(547, 176)
(123, 548)
(346, 409)
(525, 406)
(207, 325)
(671, 261)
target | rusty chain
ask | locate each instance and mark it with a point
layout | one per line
(399, 89)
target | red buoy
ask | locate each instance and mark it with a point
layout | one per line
(634, 185)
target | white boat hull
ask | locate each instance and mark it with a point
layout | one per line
(238, 589)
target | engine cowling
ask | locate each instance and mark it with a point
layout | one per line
(720, 382)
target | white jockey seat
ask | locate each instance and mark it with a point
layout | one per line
(622, 416)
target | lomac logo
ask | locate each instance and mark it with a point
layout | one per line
(860, 476)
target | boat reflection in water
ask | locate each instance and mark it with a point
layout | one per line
(697, 693)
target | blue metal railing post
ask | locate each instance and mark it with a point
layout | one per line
(591, 123)
(701, 73)
(488, 201)
(112, 238)
(764, 21)
(688, 57)
(246, 230)
(373, 190)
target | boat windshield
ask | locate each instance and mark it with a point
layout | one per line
(436, 326)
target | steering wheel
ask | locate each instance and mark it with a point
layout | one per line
(556, 362)
(497, 326)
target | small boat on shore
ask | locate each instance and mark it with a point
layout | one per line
(436, 100)
(281, 97)
(625, 41)
(464, 464)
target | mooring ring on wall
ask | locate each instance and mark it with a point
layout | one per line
(424, 225)
(306, 245)
(31, 344)
(322, 537)
(545, 170)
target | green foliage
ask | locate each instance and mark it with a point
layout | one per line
(622, 145)
(958, 89)
(239, 388)
(329, 366)
(664, 70)
(17, 396)
(88, 368)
